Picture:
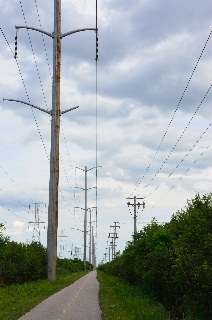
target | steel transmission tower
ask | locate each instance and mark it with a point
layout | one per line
(36, 223)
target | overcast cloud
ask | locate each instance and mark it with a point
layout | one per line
(154, 113)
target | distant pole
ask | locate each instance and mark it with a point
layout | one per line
(135, 205)
(135, 216)
(85, 219)
(112, 246)
(93, 251)
(54, 155)
(115, 236)
(86, 209)
(92, 248)
(90, 244)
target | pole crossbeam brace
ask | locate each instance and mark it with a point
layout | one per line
(29, 104)
(115, 235)
(52, 34)
(41, 109)
(36, 29)
(77, 30)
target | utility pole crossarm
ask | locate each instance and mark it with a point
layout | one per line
(75, 31)
(41, 109)
(62, 112)
(36, 29)
(29, 104)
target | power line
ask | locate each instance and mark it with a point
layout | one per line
(180, 178)
(33, 53)
(181, 98)
(27, 94)
(173, 148)
(44, 44)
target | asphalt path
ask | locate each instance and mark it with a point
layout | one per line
(79, 301)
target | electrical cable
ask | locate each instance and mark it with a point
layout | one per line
(206, 149)
(27, 94)
(33, 53)
(44, 44)
(175, 111)
(184, 158)
(180, 136)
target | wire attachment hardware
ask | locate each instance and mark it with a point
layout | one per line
(16, 44)
(97, 46)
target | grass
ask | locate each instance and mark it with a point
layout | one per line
(121, 301)
(16, 300)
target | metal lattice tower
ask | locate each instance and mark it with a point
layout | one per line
(36, 223)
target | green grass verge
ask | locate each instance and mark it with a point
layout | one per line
(16, 300)
(121, 301)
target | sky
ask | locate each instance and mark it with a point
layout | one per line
(144, 116)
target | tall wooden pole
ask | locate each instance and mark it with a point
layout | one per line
(90, 242)
(85, 218)
(54, 155)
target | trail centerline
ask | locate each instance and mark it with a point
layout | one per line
(78, 301)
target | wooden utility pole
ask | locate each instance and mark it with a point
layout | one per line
(115, 236)
(85, 216)
(55, 113)
(85, 219)
(135, 204)
(93, 251)
(54, 155)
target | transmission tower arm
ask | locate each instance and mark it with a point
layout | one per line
(77, 30)
(36, 29)
(29, 104)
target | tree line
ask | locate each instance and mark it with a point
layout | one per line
(21, 263)
(173, 262)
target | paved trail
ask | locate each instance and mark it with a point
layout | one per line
(78, 301)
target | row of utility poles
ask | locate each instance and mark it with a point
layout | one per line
(55, 114)
(114, 235)
(85, 222)
(92, 254)
(112, 244)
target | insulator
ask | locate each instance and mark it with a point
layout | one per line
(16, 44)
(97, 50)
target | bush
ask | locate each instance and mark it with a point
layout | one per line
(66, 265)
(20, 263)
(172, 262)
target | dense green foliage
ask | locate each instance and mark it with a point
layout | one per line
(121, 301)
(66, 266)
(20, 263)
(173, 262)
